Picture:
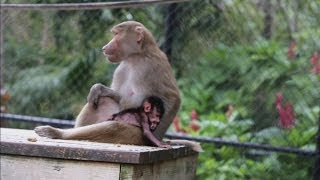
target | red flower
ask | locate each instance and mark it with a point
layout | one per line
(286, 113)
(316, 69)
(315, 62)
(176, 125)
(315, 58)
(194, 114)
(194, 124)
(291, 54)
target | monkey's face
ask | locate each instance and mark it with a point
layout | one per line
(126, 41)
(112, 50)
(154, 119)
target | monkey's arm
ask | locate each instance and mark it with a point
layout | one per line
(148, 134)
(154, 140)
(99, 90)
(173, 105)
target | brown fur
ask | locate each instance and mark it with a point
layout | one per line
(143, 71)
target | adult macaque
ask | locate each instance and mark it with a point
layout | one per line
(144, 70)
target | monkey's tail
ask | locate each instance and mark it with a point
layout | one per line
(192, 144)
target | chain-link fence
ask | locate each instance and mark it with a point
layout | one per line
(248, 71)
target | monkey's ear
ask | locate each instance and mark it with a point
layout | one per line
(147, 106)
(140, 34)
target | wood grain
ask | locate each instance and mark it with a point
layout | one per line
(21, 167)
(27, 143)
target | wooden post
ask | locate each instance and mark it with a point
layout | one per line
(24, 155)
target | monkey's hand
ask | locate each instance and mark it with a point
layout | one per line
(99, 90)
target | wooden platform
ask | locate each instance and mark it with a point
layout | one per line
(25, 155)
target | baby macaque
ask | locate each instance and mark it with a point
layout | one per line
(147, 116)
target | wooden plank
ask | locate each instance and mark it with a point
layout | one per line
(182, 168)
(27, 168)
(27, 143)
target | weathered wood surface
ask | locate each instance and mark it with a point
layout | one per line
(25, 155)
(182, 168)
(29, 168)
(34, 168)
(20, 142)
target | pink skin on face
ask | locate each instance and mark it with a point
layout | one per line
(110, 50)
(154, 119)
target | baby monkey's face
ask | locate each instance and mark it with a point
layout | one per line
(154, 118)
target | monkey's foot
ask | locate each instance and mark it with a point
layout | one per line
(48, 131)
(164, 145)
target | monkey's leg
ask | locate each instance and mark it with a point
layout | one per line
(107, 132)
(99, 90)
(90, 115)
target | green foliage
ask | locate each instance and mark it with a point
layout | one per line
(220, 59)
(266, 67)
(223, 162)
(248, 78)
(47, 83)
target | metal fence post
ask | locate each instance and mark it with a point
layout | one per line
(317, 162)
(170, 26)
(1, 45)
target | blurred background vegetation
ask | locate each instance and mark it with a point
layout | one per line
(248, 71)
